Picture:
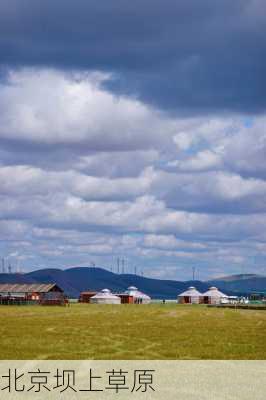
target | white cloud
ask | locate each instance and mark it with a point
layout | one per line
(203, 160)
(51, 107)
(85, 173)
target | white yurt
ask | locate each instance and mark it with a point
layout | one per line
(214, 296)
(105, 297)
(190, 296)
(139, 297)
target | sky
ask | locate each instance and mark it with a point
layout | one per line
(134, 130)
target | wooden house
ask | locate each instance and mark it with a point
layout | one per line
(40, 293)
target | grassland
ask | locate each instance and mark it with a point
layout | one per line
(153, 331)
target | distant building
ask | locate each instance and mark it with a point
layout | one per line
(232, 300)
(258, 296)
(41, 293)
(190, 296)
(214, 296)
(105, 297)
(126, 298)
(138, 296)
(85, 297)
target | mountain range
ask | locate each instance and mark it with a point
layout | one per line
(77, 279)
(242, 283)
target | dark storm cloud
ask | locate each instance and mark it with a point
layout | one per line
(183, 56)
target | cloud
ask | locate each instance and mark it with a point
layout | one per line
(68, 110)
(246, 151)
(182, 56)
(91, 175)
(233, 143)
(203, 160)
(22, 180)
(211, 192)
(10, 229)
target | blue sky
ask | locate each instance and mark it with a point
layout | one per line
(134, 130)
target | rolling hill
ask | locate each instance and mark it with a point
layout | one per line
(77, 279)
(245, 283)
(74, 280)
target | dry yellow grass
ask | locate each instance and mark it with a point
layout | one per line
(85, 331)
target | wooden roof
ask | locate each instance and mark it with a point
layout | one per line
(89, 292)
(28, 287)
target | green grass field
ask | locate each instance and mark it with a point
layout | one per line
(155, 331)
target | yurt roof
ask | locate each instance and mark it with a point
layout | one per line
(105, 294)
(132, 288)
(133, 291)
(214, 292)
(190, 292)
